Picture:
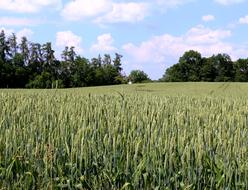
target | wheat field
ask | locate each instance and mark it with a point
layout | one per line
(144, 136)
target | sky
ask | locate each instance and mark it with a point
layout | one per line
(150, 34)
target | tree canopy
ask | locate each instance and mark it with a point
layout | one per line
(138, 76)
(217, 68)
(33, 65)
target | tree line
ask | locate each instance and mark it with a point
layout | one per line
(217, 68)
(33, 65)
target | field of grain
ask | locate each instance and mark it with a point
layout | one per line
(145, 136)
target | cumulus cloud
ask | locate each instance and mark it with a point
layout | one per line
(172, 3)
(228, 2)
(160, 49)
(81, 9)
(24, 32)
(13, 21)
(68, 38)
(28, 6)
(159, 52)
(104, 44)
(105, 11)
(208, 18)
(19, 34)
(125, 12)
(243, 20)
(7, 31)
(112, 11)
(203, 35)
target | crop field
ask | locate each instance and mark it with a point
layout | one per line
(144, 136)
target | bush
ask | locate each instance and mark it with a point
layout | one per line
(138, 76)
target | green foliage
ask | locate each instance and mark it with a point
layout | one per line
(173, 74)
(224, 67)
(218, 68)
(208, 71)
(44, 80)
(33, 65)
(191, 63)
(241, 68)
(138, 76)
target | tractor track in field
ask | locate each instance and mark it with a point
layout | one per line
(222, 88)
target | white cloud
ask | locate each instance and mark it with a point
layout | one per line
(7, 31)
(125, 12)
(68, 38)
(158, 53)
(105, 11)
(203, 35)
(172, 3)
(28, 6)
(110, 11)
(228, 2)
(243, 20)
(207, 18)
(104, 44)
(13, 21)
(160, 49)
(81, 9)
(24, 32)
(19, 34)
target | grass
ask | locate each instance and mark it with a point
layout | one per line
(144, 136)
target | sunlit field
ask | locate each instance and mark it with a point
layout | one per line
(144, 136)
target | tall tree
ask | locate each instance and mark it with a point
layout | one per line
(96, 62)
(24, 50)
(107, 59)
(3, 46)
(241, 70)
(36, 58)
(117, 62)
(173, 74)
(82, 74)
(224, 67)
(48, 54)
(190, 66)
(208, 71)
(68, 66)
(72, 54)
(13, 46)
(187, 69)
(65, 54)
(138, 76)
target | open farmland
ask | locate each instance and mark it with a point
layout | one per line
(145, 136)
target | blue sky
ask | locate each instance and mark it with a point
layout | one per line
(150, 34)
